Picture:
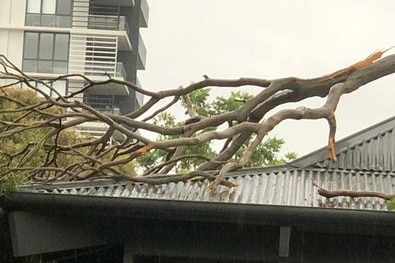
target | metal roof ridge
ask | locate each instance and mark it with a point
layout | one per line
(255, 171)
(108, 181)
(345, 143)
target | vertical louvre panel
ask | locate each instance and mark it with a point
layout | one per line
(80, 13)
(93, 55)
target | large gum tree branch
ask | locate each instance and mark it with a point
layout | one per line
(327, 111)
(249, 121)
(299, 90)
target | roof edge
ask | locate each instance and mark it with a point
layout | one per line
(322, 153)
(193, 211)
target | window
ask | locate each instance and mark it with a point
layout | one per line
(100, 102)
(60, 86)
(49, 13)
(34, 6)
(45, 52)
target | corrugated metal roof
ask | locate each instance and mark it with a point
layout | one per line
(377, 153)
(370, 149)
(291, 187)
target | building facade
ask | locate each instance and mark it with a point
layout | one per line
(96, 38)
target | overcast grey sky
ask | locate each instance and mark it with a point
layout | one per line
(271, 39)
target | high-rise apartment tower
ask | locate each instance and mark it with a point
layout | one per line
(96, 38)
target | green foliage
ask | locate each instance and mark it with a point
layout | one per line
(265, 154)
(391, 204)
(233, 102)
(157, 156)
(151, 158)
(8, 180)
(17, 142)
(199, 99)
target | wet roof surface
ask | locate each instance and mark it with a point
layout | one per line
(290, 187)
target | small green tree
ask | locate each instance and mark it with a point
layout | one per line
(266, 154)
(17, 143)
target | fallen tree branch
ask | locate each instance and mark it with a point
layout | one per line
(353, 194)
(250, 121)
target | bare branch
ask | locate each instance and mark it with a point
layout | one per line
(91, 157)
(353, 194)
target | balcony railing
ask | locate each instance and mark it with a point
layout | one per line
(101, 102)
(108, 22)
(98, 15)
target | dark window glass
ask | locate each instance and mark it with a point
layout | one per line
(29, 65)
(48, 20)
(60, 67)
(63, 7)
(46, 46)
(63, 21)
(31, 45)
(49, 13)
(61, 47)
(33, 20)
(46, 52)
(100, 102)
(44, 66)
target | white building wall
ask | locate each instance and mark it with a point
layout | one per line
(5, 13)
(12, 13)
(3, 41)
(12, 20)
(11, 45)
(18, 10)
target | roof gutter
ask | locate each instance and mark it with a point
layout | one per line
(195, 211)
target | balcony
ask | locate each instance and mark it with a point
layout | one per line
(144, 13)
(142, 53)
(139, 96)
(96, 57)
(111, 88)
(117, 2)
(107, 22)
(101, 16)
(100, 102)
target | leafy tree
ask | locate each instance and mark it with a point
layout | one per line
(14, 145)
(10, 145)
(266, 153)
